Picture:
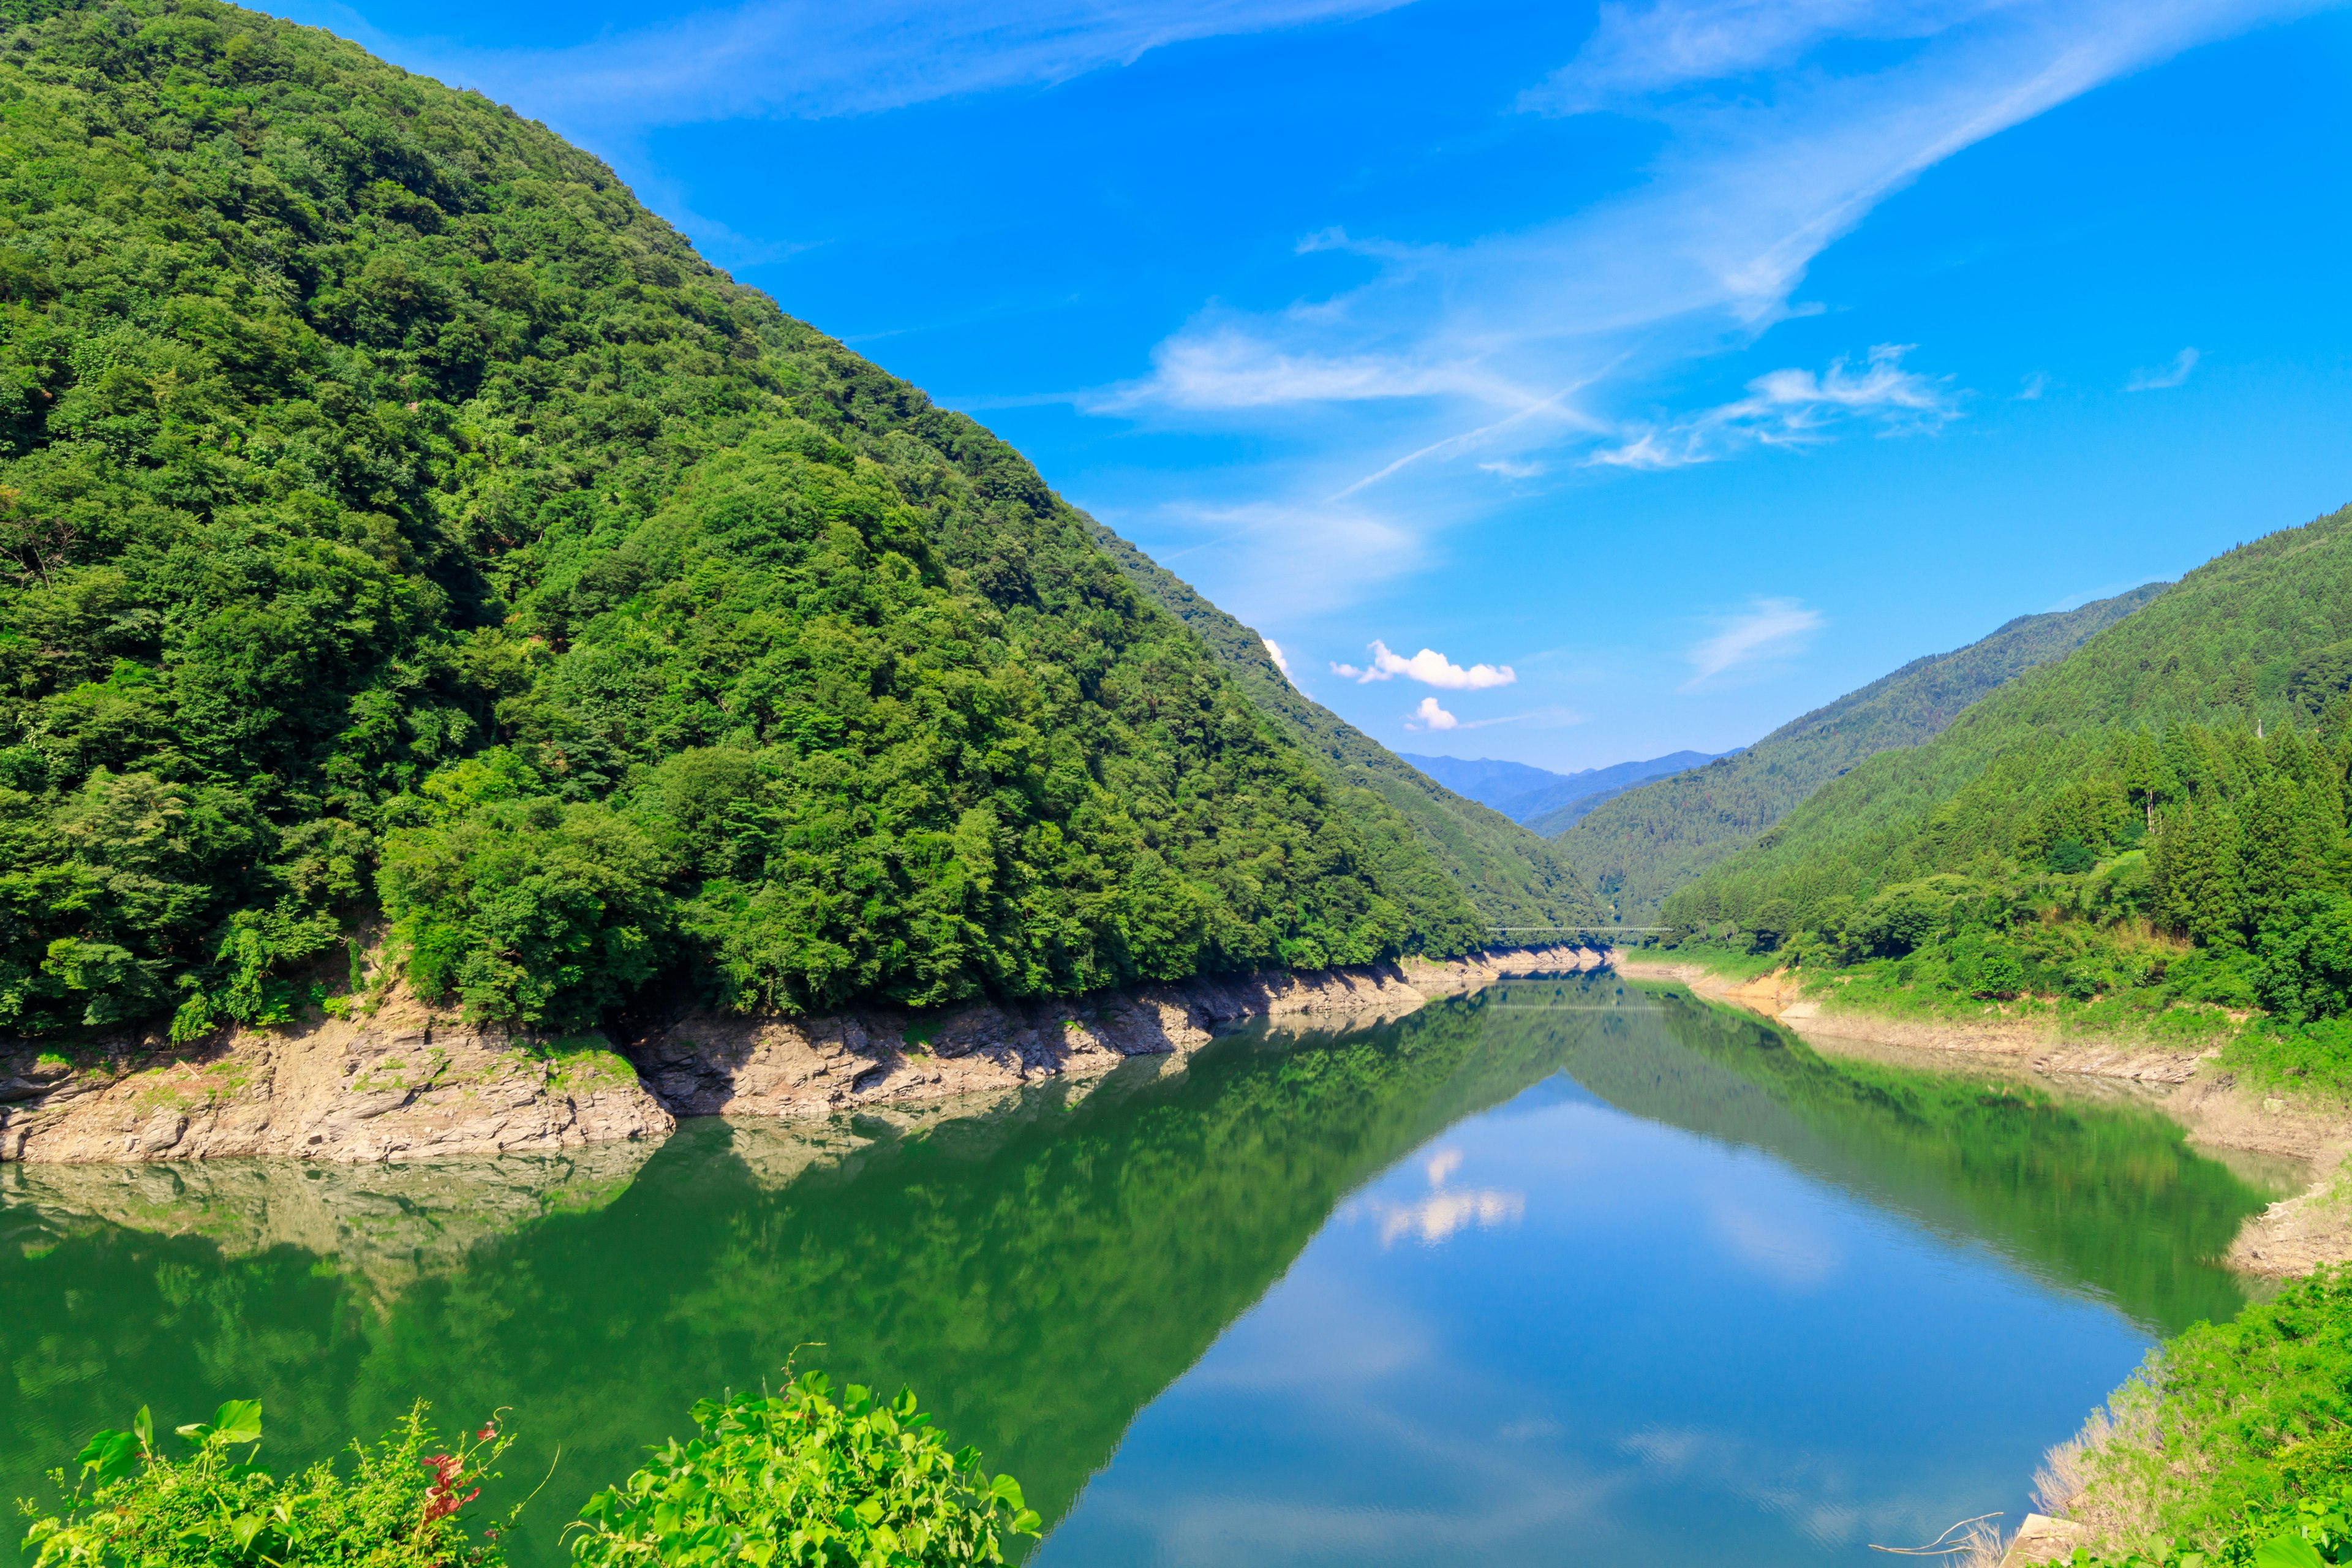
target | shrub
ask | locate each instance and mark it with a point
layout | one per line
(403, 1506)
(794, 1478)
(2230, 1435)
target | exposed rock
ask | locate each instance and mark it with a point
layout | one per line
(396, 1084)
(402, 1083)
(390, 1222)
(715, 1065)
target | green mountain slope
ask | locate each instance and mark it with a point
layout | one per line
(2183, 770)
(401, 519)
(1645, 843)
(1512, 876)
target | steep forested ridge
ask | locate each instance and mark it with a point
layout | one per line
(2163, 810)
(1511, 875)
(395, 518)
(1645, 843)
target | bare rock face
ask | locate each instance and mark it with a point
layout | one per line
(390, 1223)
(401, 1083)
(397, 1084)
(713, 1065)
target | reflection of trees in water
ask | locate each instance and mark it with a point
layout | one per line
(1039, 1272)
(2106, 1198)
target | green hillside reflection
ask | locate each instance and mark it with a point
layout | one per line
(1040, 1270)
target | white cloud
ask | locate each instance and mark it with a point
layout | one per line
(1767, 628)
(1273, 652)
(1430, 716)
(815, 59)
(1430, 668)
(1771, 148)
(1282, 562)
(2171, 375)
(1505, 469)
(1676, 43)
(1797, 408)
(2033, 386)
(1225, 370)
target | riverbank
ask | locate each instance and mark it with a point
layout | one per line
(2188, 1082)
(2186, 1079)
(397, 1081)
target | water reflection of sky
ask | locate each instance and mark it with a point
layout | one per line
(1560, 1333)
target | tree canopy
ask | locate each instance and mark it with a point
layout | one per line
(398, 520)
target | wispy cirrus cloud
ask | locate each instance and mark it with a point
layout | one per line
(1772, 150)
(814, 59)
(1767, 629)
(1430, 668)
(1637, 51)
(2171, 376)
(1797, 408)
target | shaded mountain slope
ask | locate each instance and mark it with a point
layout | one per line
(1640, 846)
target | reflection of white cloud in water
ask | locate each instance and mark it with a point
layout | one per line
(1437, 1217)
(1810, 1491)
(1220, 1528)
(1790, 1256)
(1325, 1336)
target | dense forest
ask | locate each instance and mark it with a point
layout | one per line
(2159, 814)
(1639, 846)
(401, 523)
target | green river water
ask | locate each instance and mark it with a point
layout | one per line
(1569, 1271)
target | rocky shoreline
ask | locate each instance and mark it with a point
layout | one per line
(401, 1082)
(2291, 1238)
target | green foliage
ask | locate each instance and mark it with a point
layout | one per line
(403, 1503)
(394, 512)
(793, 1477)
(1643, 845)
(2235, 1439)
(2311, 1532)
(2163, 812)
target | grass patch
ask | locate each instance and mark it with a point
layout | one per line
(2222, 1432)
(1727, 963)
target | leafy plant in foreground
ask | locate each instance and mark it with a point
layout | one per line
(401, 1505)
(793, 1477)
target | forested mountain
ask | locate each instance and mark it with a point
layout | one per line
(2164, 807)
(399, 520)
(1489, 781)
(1554, 810)
(1513, 878)
(1539, 799)
(1643, 845)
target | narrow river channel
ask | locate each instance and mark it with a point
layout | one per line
(1573, 1271)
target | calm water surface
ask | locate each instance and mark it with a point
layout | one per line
(1570, 1272)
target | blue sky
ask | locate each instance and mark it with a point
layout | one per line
(1564, 383)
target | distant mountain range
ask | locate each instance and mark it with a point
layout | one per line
(1527, 794)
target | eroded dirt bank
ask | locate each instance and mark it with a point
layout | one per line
(2220, 1113)
(400, 1083)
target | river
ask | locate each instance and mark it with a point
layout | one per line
(1570, 1271)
